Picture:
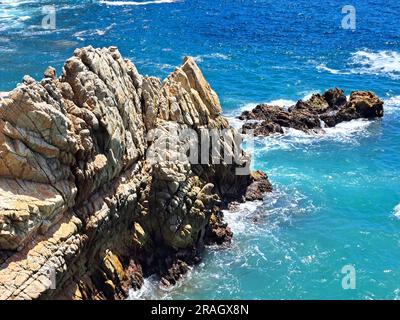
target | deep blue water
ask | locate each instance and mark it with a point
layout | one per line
(335, 195)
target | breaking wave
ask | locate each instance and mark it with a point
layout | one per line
(378, 63)
(381, 63)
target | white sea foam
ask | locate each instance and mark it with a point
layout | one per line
(13, 15)
(292, 139)
(282, 103)
(383, 62)
(247, 107)
(81, 35)
(24, 18)
(151, 289)
(6, 50)
(392, 105)
(251, 105)
(376, 62)
(235, 122)
(396, 293)
(392, 101)
(348, 128)
(146, 291)
(258, 217)
(232, 116)
(396, 211)
(308, 95)
(136, 3)
(218, 56)
(15, 3)
(323, 67)
(278, 102)
(236, 217)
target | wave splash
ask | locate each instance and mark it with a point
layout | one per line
(364, 62)
(380, 62)
(151, 289)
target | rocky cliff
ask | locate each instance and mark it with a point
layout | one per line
(85, 213)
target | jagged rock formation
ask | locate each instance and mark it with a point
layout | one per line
(327, 110)
(90, 199)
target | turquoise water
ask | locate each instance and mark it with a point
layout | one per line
(335, 195)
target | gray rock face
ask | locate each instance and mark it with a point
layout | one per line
(84, 213)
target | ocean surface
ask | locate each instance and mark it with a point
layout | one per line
(337, 196)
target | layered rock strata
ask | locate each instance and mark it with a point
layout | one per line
(91, 201)
(314, 114)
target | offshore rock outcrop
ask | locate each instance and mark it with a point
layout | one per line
(84, 214)
(319, 111)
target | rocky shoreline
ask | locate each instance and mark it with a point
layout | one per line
(313, 115)
(83, 213)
